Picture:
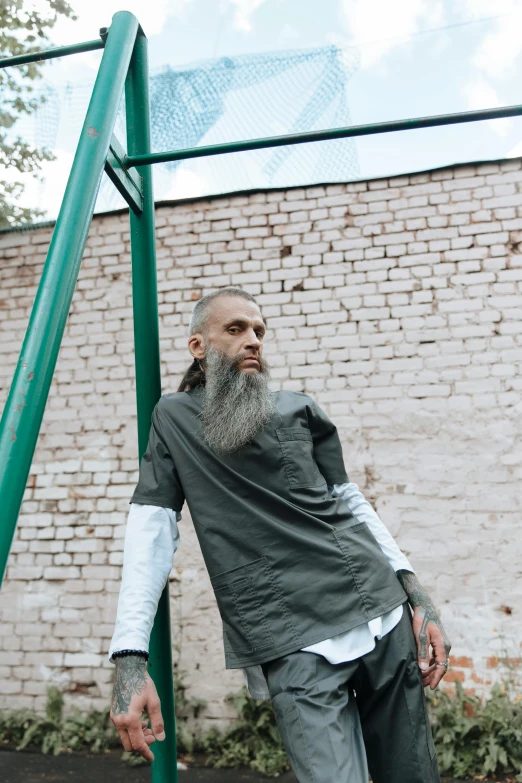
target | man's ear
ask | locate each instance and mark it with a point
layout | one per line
(196, 346)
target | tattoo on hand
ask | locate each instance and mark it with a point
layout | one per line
(130, 680)
(419, 599)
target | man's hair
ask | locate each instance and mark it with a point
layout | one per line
(199, 318)
(201, 311)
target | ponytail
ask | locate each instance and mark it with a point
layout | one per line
(194, 376)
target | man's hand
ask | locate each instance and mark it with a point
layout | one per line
(133, 693)
(428, 631)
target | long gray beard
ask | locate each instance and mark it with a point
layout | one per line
(237, 404)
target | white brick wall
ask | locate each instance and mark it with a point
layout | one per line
(396, 303)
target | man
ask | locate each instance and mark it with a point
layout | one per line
(312, 589)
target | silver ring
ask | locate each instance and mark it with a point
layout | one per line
(444, 664)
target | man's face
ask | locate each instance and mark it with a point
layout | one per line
(237, 400)
(236, 329)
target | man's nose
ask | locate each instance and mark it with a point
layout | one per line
(252, 341)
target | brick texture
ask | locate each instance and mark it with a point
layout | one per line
(396, 303)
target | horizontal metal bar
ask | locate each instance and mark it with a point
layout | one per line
(128, 183)
(49, 54)
(323, 135)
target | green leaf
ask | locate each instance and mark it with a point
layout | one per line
(476, 737)
(22, 31)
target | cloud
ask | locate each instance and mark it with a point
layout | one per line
(93, 14)
(498, 51)
(288, 34)
(481, 94)
(495, 55)
(515, 152)
(501, 44)
(47, 194)
(369, 21)
(243, 11)
(186, 184)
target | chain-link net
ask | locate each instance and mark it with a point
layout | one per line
(227, 99)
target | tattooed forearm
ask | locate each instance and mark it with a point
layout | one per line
(419, 600)
(417, 595)
(130, 679)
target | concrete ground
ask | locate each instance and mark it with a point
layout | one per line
(28, 767)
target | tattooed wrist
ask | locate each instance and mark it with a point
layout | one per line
(417, 595)
(424, 610)
(130, 679)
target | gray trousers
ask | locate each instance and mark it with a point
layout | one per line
(337, 721)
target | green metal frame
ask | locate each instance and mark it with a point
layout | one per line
(123, 66)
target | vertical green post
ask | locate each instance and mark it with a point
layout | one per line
(30, 387)
(148, 379)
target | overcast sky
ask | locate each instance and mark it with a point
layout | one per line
(416, 57)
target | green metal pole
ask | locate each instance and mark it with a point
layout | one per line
(322, 135)
(50, 54)
(148, 380)
(26, 402)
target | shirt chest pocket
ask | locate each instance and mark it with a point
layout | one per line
(297, 445)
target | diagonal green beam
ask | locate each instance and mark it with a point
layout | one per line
(28, 394)
(323, 135)
(128, 183)
(148, 381)
(50, 54)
